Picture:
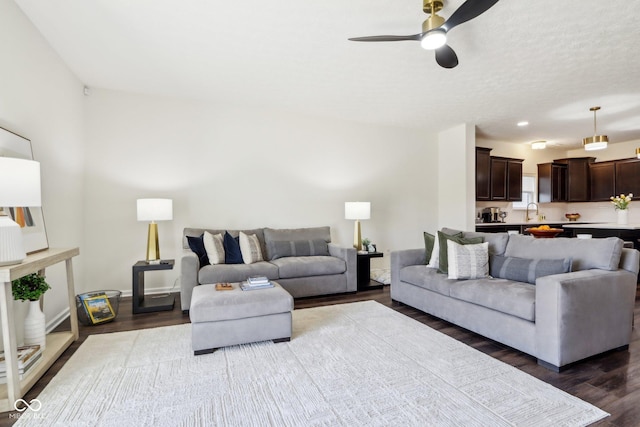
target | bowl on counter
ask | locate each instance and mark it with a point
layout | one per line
(572, 216)
(544, 233)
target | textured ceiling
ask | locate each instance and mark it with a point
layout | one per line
(542, 61)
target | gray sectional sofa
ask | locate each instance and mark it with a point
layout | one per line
(301, 276)
(559, 318)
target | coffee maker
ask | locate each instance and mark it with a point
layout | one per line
(491, 214)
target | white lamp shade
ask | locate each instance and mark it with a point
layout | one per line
(357, 210)
(155, 209)
(19, 182)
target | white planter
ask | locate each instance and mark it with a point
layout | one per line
(623, 216)
(34, 326)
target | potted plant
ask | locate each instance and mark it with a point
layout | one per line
(621, 204)
(365, 244)
(30, 288)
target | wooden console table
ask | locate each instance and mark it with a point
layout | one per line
(57, 342)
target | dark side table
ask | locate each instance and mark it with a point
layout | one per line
(364, 270)
(140, 305)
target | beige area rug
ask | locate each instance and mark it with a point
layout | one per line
(346, 365)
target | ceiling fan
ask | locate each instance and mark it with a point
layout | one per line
(435, 28)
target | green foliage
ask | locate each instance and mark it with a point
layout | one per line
(29, 287)
(366, 241)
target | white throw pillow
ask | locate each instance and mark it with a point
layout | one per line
(250, 248)
(214, 247)
(434, 261)
(468, 261)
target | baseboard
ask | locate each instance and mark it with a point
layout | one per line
(57, 320)
(151, 291)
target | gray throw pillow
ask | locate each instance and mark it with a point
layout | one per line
(527, 270)
(429, 243)
(286, 248)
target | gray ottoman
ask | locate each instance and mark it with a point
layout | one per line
(224, 318)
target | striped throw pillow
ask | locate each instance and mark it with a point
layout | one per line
(468, 261)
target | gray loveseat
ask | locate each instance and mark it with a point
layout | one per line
(560, 319)
(301, 276)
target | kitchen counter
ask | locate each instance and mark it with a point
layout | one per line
(603, 226)
(531, 223)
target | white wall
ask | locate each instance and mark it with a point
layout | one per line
(456, 177)
(42, 101)
(230, 167)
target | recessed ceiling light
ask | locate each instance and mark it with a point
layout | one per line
(523, 123)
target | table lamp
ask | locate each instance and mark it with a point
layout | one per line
(357, 211)
(19, 188)
(154, 210)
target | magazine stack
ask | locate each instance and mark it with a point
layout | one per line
(253, 283)
(28, 357)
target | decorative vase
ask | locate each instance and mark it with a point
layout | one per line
(623, 216)
(34, 326)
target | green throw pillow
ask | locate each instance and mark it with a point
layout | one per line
(442, 241)
(429, 242)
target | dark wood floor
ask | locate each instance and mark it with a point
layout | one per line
(610, 381)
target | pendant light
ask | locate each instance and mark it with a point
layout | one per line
(595, 142)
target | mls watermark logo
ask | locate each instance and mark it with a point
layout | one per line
(22, 405)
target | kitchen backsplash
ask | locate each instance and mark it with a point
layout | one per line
(554, 212)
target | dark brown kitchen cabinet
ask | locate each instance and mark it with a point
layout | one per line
(603, 180)
(514, 180)
(552, 182)
(483, 173)
(627, 177)
(578, 183)
(506, 179)
(497, 178)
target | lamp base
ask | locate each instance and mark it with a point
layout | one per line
(357, 236)
(11, 246)
(153, 247)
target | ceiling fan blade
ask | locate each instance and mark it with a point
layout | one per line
(469, 10)
(416, 37)
(446, 57)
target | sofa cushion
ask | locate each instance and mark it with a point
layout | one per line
(304, 266)
(497, 241)
(285, 248)
(468, 261)
(586, 253)
(427, 278)
(293, 234)
(196, 243)
(250, 248)
(232, 252)
(236, 272)
(214, 246)
(514, 298)
(442, 240)
(527, 270)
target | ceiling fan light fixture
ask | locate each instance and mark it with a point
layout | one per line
(595, 142)
(434, 39)
(539, 145)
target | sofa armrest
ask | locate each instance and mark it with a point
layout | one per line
(583, 313)
(189, 268)
(349, 256)
(404, 258)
